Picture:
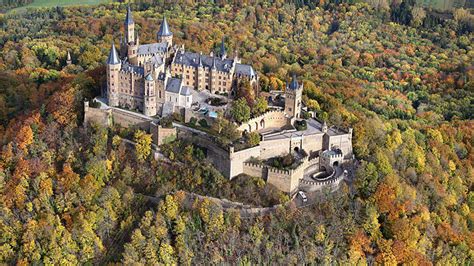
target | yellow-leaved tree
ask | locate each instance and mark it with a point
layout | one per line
(143, 145)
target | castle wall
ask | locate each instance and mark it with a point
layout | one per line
(126, 119)
(238, 158)
(270, 119)
(313, 143)
(344, 142)
(161, 135)
(272, 148)
(98, 116)
(257, 170)
(110, 116)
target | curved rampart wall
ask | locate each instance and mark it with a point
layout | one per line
(270, 119)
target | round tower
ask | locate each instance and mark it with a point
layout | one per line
(149, 101)
(113, 71)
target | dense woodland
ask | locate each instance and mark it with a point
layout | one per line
(403, 79)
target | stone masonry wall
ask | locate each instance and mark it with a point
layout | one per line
(99, 116)
(237, 159)
(161, 134)
(253, 169)
(270, 119)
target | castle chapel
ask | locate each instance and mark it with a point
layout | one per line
(138, 76)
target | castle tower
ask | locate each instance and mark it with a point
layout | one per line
(223, 52)
(131, 39)
(201, 74)
(293, 95)
(129, 26)
(149, 101)
(213, 78)
(164, 34)
(68, 59)
(113, 69)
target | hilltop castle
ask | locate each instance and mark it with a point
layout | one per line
(162, 78)
(138, 77)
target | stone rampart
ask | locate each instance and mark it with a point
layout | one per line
(96, 115)
(270, 119)
(254, 169)
(110, 116)
(161, 135)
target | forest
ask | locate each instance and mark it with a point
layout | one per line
(401, 76)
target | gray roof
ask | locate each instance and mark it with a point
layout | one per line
(186, 91)
(246, 70)
(113, 58)
(164, 28)
(156, 60)
(152, 48)
(294, 83)
(127, 67)
(174, 85)
(129, 17)
(192, 59)
(149, 77)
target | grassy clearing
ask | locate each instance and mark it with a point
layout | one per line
(53, 3)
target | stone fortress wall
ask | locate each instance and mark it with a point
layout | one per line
(270, 119)
(233, 163)
(109, 116)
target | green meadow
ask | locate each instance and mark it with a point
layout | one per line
(53, 3)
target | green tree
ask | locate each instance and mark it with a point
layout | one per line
(260, 106)
(253, 138)
(240, 110)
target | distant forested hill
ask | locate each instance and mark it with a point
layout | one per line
(9, 4)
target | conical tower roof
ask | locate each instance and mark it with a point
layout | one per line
(294, 83)
(113, 58)
(164, 28)
(129, 17)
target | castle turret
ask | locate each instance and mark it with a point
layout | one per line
(130, 37)
(149, 101)
(164, 34)
(213, 74)
(293, 94)
(113, 68)
(201, 74)
(223, 52)
(129, 27)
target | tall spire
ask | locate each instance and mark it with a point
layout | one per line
(164, 29)
(214, 62)
(200, 59)
(129, 17)
(113, 58)
(223, 51)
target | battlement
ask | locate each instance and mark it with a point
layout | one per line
(264, 115)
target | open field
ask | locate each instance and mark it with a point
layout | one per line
(53, 3)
